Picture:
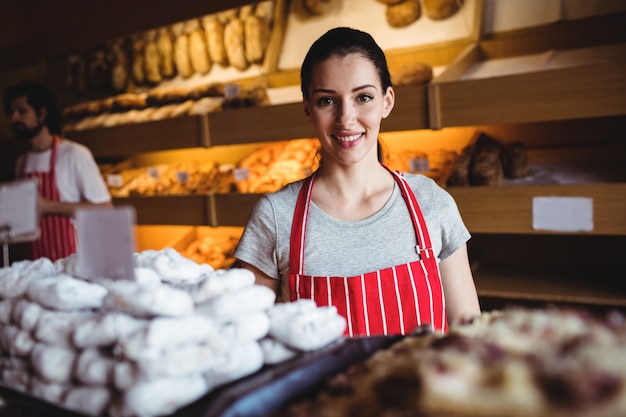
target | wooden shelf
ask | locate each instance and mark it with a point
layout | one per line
(173, 210)
(586, 86)
(131, 139)
(559, 285)
(508, 209)
(233, 127)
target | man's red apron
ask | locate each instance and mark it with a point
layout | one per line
(58, 237)
(390, 301)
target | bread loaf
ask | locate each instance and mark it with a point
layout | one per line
(181, 51)
(234, 41)
(198, 52)
(257, 33)
(138, 63)
(152, 59)
(441, 9)
(214, 32)
(165, 48)
(403, 14)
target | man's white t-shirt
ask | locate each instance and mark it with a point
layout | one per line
(77, 175)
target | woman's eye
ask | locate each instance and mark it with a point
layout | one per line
(325, 101)
(364, 98)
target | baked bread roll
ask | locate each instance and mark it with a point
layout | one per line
(152, 59)
(138, 62)
(234, 41)
(245, 11)
(206, 105)
(160, 396)
(265, 10)
(120, 65)
(486, 166)
(89, 400)
(66, 293)
(225, 16)
(413, 73)
(441, 9)
(214, 32)
(53, 363)
(317, 7)
(145, 301)
(181, 51)
(403, 14)
(257, 33)
(165, 48)
(198, 52)
(516, 160)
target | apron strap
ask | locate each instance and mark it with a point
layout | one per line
(298, 226)
(301, 214)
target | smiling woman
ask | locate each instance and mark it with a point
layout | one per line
(386, 249)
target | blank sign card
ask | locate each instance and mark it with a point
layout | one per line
(563, 214)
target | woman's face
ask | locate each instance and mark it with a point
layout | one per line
(346, 105)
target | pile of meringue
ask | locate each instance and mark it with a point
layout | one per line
(148, 346)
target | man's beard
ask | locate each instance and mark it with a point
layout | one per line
(22, 132)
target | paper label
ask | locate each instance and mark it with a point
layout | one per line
(563, 214)
(241, 174)
(231, 91)
(19, 220)
(182, 177)
(419, 165)
(115, 180)
(153, 172)
(105, 242)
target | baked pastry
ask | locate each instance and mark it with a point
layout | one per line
(513, 362)
(257, 33)
(181, 51)
(214, 32)
(403, 14)
(127, 101)
(234, 41)
(413, 73)
(165, 49)
(459, 177)
(120, 65)
(516, 160)
(225, 16)
(441, 9)
(245, 11)
(265, 10)
(206, 105)
(198, 52)
(139, 60)
(152, 59)
(486, 166)
(317, 7)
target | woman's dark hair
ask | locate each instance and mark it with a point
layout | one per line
(343, 41)
(38, 95)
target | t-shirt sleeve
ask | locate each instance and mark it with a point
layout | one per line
(454, 233)
(90, 183)
(257, 245)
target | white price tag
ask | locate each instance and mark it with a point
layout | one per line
(231, 91)
(19, 220)
(563, 214)
(115, 180)
(182, 177)
(241, 174)
(153, 172)
(419, 165)
(105, 242)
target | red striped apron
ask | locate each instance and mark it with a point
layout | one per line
(391, 301)
(58, 237)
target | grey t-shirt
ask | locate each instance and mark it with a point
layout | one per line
(348, 248)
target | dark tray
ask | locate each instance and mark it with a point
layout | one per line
(257, 395)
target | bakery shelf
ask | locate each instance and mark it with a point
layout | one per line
(287, 121)
(173, 210)
(233, 127)
(508, 209)
(477, 88)
(549, 285)
(158, 135)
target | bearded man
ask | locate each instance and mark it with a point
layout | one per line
(67, 173)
